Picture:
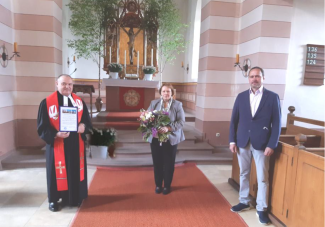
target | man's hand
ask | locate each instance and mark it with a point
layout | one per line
(268, 151)
(233, 148)
(81, 128)
(62, 134)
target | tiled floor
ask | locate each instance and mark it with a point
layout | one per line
(23, 199)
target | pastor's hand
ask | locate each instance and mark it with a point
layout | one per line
(81, 128)
(62, 134)
(233, 148)
(268, 151)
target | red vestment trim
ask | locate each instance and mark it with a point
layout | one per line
(59, 157)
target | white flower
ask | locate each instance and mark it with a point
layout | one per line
(148, 115)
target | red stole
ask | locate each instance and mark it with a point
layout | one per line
(59, 158)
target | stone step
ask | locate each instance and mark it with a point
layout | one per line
(109, 116)
(17, 160)
(118, 161)
(24, 158)
(132, 152)
(117, 125)
(140, 147)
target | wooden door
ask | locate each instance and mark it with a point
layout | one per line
(282, 175)
(308, 204)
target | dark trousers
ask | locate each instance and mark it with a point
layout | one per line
(163, 162)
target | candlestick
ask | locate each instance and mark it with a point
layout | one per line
(15, 47)
(237, 58)
(110, 55)
(74, 58)
(151, 57)
(182, 64)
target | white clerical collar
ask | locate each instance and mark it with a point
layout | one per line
(65, 101)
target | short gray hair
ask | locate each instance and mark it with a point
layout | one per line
(64, 75)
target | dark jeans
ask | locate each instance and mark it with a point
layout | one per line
(163, 162)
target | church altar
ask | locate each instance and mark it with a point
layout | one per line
(129, 95)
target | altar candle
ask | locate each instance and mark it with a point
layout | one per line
(138, 59)
(145, 57)
(125, 58)
(125, 61)
(15, 47)
(110, 54)
(117, 57)
(237, 58)
(151, 57)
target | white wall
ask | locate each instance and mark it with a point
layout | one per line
(191, 15)
(307, 28)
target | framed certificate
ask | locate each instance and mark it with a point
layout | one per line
(68, 119)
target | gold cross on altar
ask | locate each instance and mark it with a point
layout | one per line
(60, 167)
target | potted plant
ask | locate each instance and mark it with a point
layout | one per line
(102, 141)
(148, 71)
(114, 69)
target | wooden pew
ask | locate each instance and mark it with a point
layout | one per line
(296, 195)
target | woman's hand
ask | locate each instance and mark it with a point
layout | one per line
(163, 129)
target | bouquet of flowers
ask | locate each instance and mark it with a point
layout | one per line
(151, 121)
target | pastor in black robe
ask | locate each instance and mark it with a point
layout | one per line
(77, 190)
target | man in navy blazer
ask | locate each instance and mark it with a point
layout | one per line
(254, 132)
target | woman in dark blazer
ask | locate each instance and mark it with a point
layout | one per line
(164, 156)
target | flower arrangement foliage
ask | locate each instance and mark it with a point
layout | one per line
(115, 67)
(151, 121)
(149, 69)
(103, 137)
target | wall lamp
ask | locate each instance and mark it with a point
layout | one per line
(4, 54)
(74, 61)
(187, 68)
(246, 65)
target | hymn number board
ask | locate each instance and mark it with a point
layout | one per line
(314, 70)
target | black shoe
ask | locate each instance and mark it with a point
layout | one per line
(158, 190)
(240, 207)
(166, 191)
(54, 207)
(263, 217)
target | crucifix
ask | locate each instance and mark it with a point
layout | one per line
(60, 167)
(132, 36)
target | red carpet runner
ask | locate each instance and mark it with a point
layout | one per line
(125, 197)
